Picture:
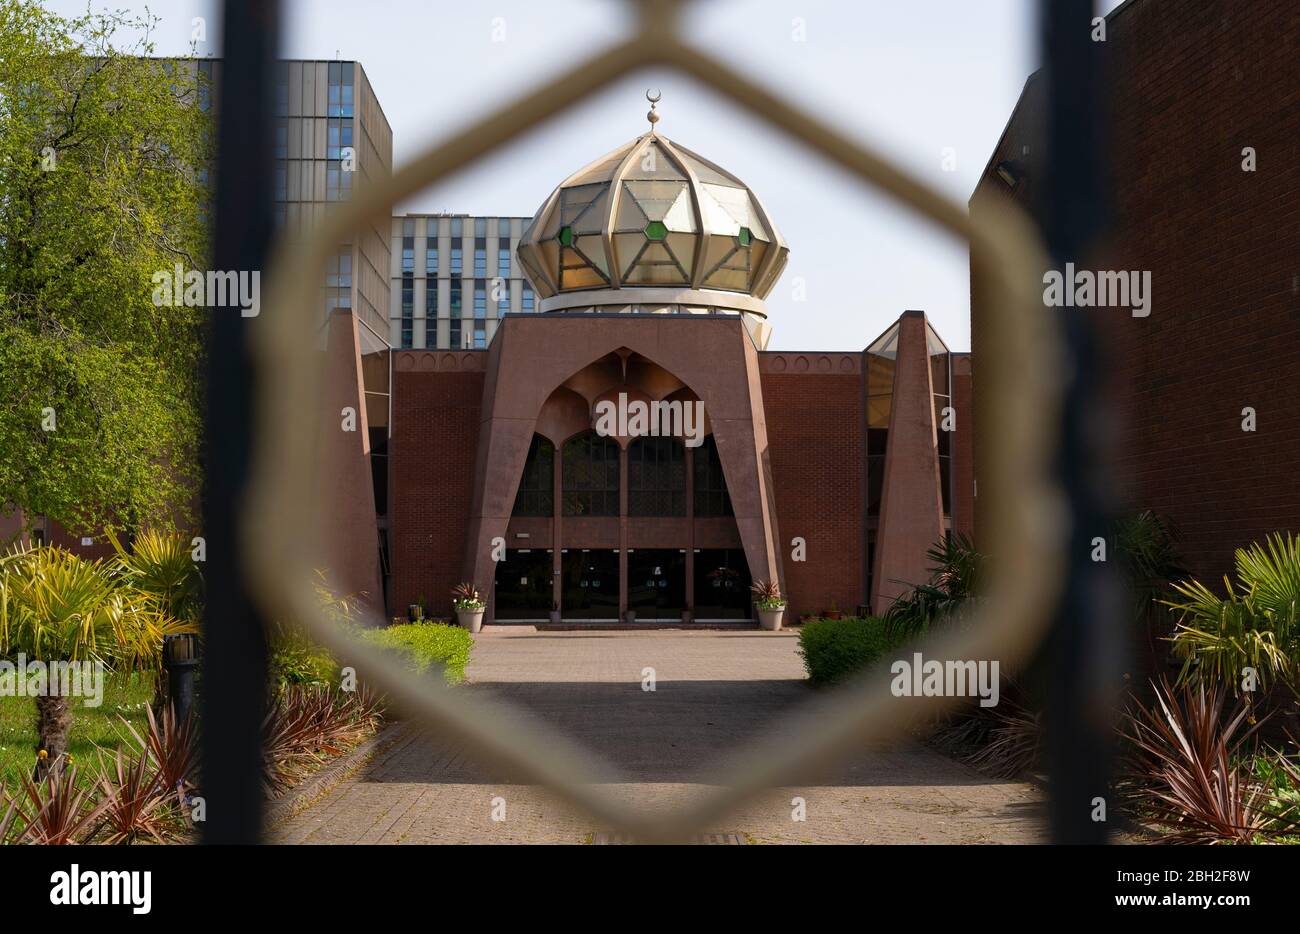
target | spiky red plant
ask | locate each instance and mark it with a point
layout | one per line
(173, 747)
(60, 810)
(133, 805)
(1187, 768)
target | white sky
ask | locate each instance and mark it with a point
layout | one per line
(909, 77)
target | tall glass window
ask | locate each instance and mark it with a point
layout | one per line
(590, 475)
(408, 311)
(480, 258)
(656, 477)
(527, 302)
(536, 495)
(456, 258)
(480, 299)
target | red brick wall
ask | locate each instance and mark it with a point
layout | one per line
(815, 431)
(1192, 83)
(434, 439)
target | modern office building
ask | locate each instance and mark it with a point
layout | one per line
(1205, 187)
(453, 278)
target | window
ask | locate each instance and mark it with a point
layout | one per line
(480, 258)
(282, 139)
(281, 182)
(338, 183)
(590, 475)
(536, 495)
(431, 256)
(408, 311)
(527, 301)
(454, 340)
(480, 335)
(503, 258)
(480, 299)
(431, 314)
(455, 260)
(341, 89)
(656, 477)
(480, 227)
(408, 255)
(711, 497)
(457, 228)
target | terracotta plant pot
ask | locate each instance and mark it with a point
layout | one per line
(771, 619)
(470, 619)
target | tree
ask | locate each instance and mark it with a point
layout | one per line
(57, 607)
(102, 151)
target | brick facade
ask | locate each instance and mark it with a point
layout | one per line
(1190, 85)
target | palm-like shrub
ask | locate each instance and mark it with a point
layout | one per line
(57, 607)
(954, 579)
(1255, 625)
(161, 565)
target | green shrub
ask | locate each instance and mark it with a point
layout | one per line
(296, 660)
(835, 649)
(423, 645)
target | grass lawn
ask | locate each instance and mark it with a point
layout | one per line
(92, 727)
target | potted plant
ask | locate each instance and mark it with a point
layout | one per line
(629, 615)
(834, 611)
(555, 612)
(469, 606)
(770, 604)
(686, 616)
(415, 611)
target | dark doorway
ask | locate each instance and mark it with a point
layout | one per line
(589, 588)
(656, 583)
(523, 585)
(721, 584)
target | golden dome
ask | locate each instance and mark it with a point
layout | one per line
(652, 214)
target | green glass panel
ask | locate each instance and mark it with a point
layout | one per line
(745, 236)
(566, 236)
(656, 230)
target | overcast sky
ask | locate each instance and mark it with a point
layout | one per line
(913, 79)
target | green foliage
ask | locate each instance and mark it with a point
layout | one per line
(767, 595)
(424, 645)
(1146, 550)
(101, 157)
(55, 606)
(954, 579)
(296, 660)
(161, 565)
(1256, 624)
(836, 649)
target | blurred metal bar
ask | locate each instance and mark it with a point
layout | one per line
(235, 654)
(1085, 649)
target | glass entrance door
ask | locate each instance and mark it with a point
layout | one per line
(523, 585)
(721, 584)
(656, 584)
(589, 586)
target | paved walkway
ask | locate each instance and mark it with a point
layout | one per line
(714, 689)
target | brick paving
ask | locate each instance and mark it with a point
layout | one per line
(714, 689)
